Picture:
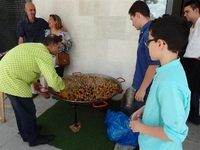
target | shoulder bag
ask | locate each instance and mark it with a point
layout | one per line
(62, 59)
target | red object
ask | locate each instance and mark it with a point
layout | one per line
(100, 106)
(37, 86)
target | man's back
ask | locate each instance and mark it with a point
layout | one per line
(21, 66)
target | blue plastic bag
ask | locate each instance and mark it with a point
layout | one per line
(118, 128)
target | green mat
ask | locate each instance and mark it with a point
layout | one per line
(92, 135)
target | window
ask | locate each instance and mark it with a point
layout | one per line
(12, 11)
(159, 7)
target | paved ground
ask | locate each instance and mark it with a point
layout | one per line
(10, 139)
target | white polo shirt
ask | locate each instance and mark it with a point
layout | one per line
(193, 47)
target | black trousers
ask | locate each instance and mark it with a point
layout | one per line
(60, 70)
(25, 113)
(192, 70)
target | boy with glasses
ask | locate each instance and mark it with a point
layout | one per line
(162, 121)
(145, 67)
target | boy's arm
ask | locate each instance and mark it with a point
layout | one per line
(157, 132)
(150, 72)
(138, 114)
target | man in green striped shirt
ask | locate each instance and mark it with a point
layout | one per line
(20, 68)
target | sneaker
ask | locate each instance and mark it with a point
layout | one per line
(44, 139)
(46, 95)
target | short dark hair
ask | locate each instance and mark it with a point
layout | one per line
(193, 4)
(51, 39)
(141, 7)
(173, 30)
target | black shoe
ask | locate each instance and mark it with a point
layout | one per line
(44, 139)
(136, 148)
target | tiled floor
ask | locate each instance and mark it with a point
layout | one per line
(10, 139)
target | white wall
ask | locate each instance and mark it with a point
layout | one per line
(104, 40)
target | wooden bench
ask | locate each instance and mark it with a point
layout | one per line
(2, 107)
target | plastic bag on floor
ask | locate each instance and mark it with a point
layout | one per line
(118, 128)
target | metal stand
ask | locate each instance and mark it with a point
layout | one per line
(77, 125)
(75, 116)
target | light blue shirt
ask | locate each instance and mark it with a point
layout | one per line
(167, 106)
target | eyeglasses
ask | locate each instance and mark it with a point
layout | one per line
(146, 42)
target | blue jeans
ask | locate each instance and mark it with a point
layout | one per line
(25, 113)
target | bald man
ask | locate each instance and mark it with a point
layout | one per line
(32, 29)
